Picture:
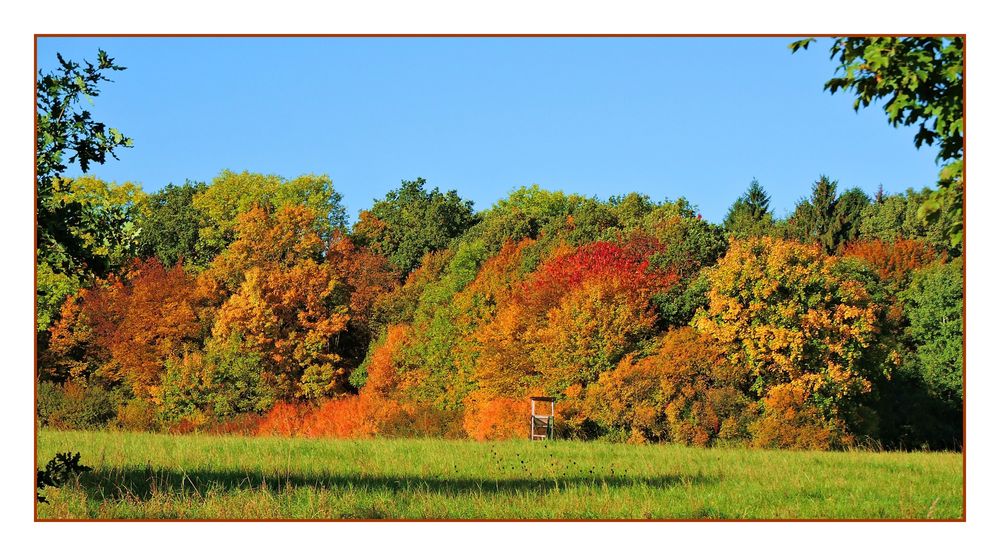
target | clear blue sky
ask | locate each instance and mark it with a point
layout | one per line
(667, 117)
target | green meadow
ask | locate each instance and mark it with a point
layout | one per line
(157, 476)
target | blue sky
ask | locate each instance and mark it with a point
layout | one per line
(667, 117)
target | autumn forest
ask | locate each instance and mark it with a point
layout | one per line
(256, 305)
(246, 304)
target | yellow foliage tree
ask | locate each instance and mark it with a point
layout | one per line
(786, 314)
(286, 304)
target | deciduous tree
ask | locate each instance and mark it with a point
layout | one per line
(287, 305)
(125, 329)
(411, 221)
(789, 318)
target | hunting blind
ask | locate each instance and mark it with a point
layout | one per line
(543, 414)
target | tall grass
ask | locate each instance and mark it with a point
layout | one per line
(150, 476)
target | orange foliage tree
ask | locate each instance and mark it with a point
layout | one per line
(287, 304)
(686, 391)
(125, 329)
(496, 418)
(368, 275)
(495, 324)
(382, 365)
(893, 261)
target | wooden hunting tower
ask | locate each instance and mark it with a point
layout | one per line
(543, 414)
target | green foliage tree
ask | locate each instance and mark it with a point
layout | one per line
(897, 217)
(411, 221)
(631, 209)
(223, 382)
(922, 80)
(63, 128)
(103, 237)
(689, 245)
(169, 229)
(849, 214)
(72, 229)
(933, 305)
(231, 194)
(751, 214)
(826, 218)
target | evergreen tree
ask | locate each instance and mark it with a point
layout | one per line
(826, 218)
(751, 214)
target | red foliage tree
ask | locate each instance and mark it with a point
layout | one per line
(622, 267)
(126, 328)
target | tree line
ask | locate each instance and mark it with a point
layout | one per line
(248, 304)
(250, 296)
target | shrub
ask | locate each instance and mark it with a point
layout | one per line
(686, 392)
(57, 472)
(137, 414)
(347, 417)
(284, 419)
(75, 405)
(496, 418)
(422, 421)
(790, 421)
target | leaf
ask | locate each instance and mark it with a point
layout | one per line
(802, 44)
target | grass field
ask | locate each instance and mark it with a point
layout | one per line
(150, 476)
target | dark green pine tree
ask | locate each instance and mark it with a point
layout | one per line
(848, 216)
(751, 214)
(826, 218)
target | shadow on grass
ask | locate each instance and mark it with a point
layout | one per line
(138, 483)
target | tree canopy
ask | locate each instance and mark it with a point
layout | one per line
(411, 221)
(750, 214)
(245, 304)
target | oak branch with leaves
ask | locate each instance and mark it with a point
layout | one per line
(922, 80)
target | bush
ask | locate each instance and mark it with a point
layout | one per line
(137, 414)
(496, 418)
(347, 417)
(685, 392)
(360, 416)
(75, 405)
(790, 421)
(246, 424)
(423, 421)
(57, 472)
(284, 419)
